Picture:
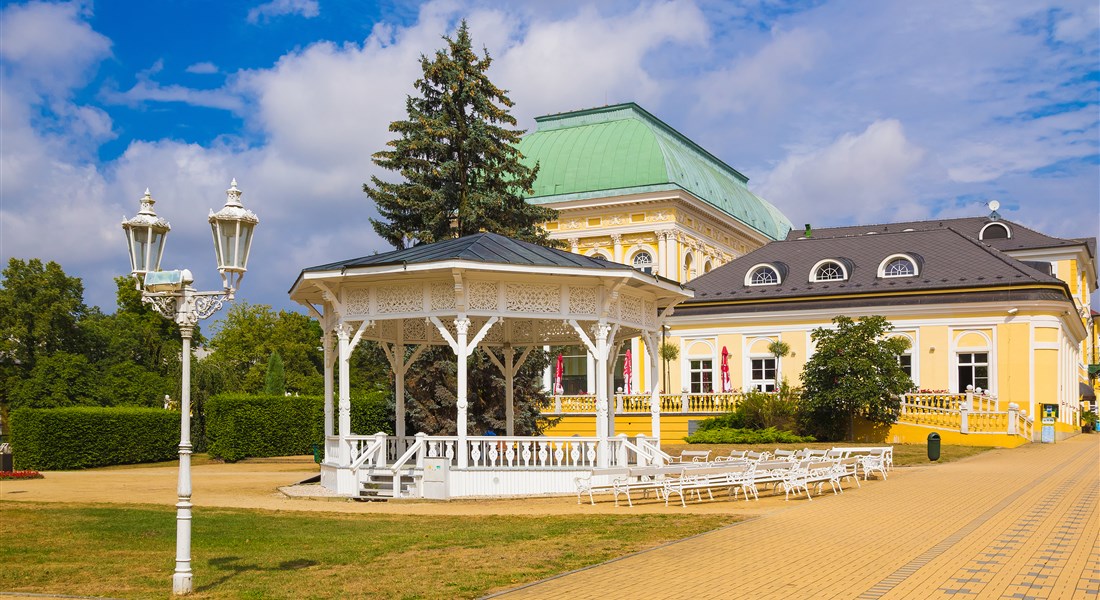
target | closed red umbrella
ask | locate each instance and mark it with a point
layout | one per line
(725, 370)
(627, 370)
(558, 371)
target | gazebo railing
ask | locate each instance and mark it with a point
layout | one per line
(495, 452)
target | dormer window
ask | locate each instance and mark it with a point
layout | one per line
(828, 270)
(995, 231)
(762, 275)
(898, 265)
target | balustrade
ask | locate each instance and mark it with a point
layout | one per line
(710, 403)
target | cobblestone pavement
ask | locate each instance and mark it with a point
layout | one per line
(1017, 524)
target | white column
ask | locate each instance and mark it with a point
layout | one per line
(399, 390)
(509, 393)
(655, 389)
(602, 329)
(326, 344)
(462, 327)
(343, 335)
(181, 579)
(617, 240)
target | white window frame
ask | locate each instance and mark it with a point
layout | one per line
(652, 264)
(752, 271)
(705, 369)
(1008, 230)
(828, 261)
(698, 348)
(889, 259)
(765, 383)
(973, 365)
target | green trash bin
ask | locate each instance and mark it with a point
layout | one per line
(933, 446)
(318, 454)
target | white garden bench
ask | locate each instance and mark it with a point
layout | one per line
(598, 481)
(731, 476)
(645, 480)
(689, 456)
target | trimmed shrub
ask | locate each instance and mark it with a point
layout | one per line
(242, 426)
(770, 435)
(52, 439)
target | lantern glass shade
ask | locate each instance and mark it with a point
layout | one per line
(232, 242)
(232, 228)
(145, 236)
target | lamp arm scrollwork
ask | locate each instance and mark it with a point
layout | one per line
(187, 307)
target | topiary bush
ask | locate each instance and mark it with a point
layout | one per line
(53, 439)
(242, 426)
(770, 435)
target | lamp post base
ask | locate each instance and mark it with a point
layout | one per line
(181, 583)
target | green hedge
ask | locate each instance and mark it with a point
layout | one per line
(243, 426)
(51, 439)
(770, 435)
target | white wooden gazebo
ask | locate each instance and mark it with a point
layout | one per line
(506, 297)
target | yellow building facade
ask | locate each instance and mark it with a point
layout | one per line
(984, 302)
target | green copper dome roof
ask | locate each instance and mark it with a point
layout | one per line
(622, 149)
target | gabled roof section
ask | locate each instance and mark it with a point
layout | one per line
(949, 260)
(1023, 238)
(479, 247)
(623, 149)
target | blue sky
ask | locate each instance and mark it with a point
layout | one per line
(839, 112)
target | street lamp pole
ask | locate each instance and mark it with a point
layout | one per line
(171, 295)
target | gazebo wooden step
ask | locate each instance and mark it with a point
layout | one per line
(380, 484)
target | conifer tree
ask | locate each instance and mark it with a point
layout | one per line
(275, 378)
(457, 154)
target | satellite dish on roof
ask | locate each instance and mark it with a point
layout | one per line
(994, 205)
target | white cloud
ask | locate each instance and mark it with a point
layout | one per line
(146, 90)
(591, 59)
(859, 177)
(202, 68)
(48, 48)
(764, 81)
(278, 8)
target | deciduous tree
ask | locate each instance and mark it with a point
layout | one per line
(854, 372)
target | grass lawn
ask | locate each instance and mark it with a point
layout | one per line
(904, 454)
(129, 551)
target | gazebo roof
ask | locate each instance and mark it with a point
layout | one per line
(489, 250)
(479, 247)
(541, 292)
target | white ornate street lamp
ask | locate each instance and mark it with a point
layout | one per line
(171, 295)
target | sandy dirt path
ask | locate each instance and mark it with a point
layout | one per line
(255, 484)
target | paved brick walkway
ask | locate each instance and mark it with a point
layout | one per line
(1019, 524)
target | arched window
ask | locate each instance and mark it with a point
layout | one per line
(995, 231)
(763, 275)
(828, 270)
(688, 263)
(898, 265)
(643, 261)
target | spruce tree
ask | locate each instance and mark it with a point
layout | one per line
(461, 174)
(457, 154)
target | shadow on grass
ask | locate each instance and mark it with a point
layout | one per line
(232, 567)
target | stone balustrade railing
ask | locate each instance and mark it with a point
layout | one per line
(709, 403)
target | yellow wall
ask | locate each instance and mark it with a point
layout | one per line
(674, 428)
(1014, 356)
